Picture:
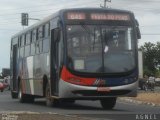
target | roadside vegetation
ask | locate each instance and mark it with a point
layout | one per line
(151, 58)
(149, 97)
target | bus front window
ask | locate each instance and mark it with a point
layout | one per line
(100, 49)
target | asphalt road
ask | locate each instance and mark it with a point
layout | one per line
(91, 109)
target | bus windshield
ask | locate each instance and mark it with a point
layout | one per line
(100, 48)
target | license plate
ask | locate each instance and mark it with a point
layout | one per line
(103, 89)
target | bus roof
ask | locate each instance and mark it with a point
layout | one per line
(45, 20)
(96, 9)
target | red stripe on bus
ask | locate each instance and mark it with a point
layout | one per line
(69, 77)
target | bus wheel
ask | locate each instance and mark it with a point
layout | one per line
(49, 101)
(23, 98)
(108, 103)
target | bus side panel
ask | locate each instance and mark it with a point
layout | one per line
(35, 68)
(28, 75)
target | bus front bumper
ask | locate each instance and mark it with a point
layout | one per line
(68, 90)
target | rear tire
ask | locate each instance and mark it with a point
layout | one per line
(2, 90)
(23, 98)
(108, 103)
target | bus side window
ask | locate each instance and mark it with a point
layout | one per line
(40, 33)
(46, 45)
(27, 50)
(21, 52)
(47, 30)
(28, 38)
(34, 35)
(39, 47)
(21, 40)
(33, 49)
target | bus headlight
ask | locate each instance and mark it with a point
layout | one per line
(126, 81)
(74, 80)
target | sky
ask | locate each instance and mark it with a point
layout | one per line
(147, 12)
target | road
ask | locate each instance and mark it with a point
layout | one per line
(91, 109)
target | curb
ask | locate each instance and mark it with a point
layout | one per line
(15, 114)
(139, 102)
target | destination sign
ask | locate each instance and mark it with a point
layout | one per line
(98, 16)
(109, 16)
(75, 16)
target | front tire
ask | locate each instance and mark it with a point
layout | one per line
(49, 101)
(108, 103)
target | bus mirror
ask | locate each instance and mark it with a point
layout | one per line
(137, 23)
(138, 30)
(56, 34)
(138, 33)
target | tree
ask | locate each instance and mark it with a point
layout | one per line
(150, 59)
(158, 53)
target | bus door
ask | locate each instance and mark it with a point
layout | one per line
(55, 68)
(14, 66)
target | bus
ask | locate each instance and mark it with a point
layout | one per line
(77, 54)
